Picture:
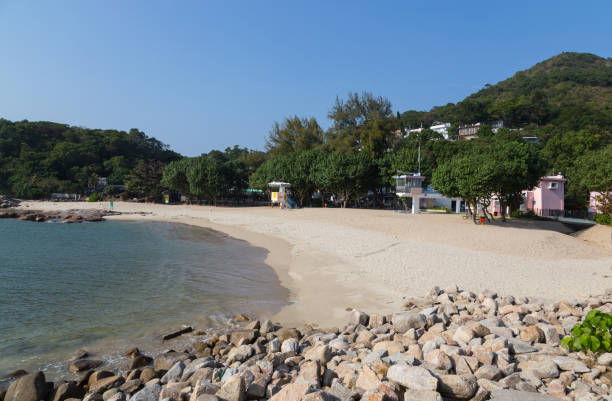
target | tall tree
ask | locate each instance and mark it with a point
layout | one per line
(362, 122)
(294, 134)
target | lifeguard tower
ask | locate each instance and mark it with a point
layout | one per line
(410, 185)
(281, 197)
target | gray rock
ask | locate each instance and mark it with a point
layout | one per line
(240, 354)
(402, 322)
(131, 386)
(68, 390)
(520, 347)
(605, 359)
(413, 377)
(457, 386)
(105, 384)
(81, 365)
(546, 369)
(233, 389)
(266, 327)
(514, 395)
(422, 395)
(32, 387)
(174, 374)
(567, 363)
(274, 345)
(149, 393)
(167, 360)
(290, 344)
(358, 317)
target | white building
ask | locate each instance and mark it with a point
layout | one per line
(441, 128)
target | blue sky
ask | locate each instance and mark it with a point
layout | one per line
(205, 75)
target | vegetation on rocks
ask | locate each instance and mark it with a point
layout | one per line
(593, 334)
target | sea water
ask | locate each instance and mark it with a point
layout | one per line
(104, 287)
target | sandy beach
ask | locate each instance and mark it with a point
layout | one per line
(333, 259)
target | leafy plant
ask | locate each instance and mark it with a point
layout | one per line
(95, 197)
(604, 219)
(593, 334)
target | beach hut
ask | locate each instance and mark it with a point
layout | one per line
(281, 197)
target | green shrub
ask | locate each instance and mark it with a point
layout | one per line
(517, 214)
(440, 208)
(95, 197)
(592, 334)
(604, 219)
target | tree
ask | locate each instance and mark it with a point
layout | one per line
(294, 134)
(345, 174)
(296, 168)
(517, 168)
(145, 179)
(362, 123)
(469, 176)
(593, 172)
(175, 176)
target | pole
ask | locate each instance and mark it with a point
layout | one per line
(419, 156)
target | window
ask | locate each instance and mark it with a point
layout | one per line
(553, 185)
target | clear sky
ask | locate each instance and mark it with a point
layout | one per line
(205, 75)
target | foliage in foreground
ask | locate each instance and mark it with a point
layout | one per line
(593, 334)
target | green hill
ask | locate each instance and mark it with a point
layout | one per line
(38, 158)
(570, 91)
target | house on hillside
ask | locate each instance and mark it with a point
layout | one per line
(441, 128)
(548, 198)
(496, 125)
(469, 131)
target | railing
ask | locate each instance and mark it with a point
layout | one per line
(569, 213)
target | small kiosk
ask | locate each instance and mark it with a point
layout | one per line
(410, 185)
(280, 197)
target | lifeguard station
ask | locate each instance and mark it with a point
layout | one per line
(410, 185)
(280, 197)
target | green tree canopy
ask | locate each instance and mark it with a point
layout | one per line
(294, 134)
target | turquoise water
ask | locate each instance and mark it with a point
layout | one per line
(106, 286)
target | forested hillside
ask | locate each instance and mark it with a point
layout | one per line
(571, 91)
(38, 158)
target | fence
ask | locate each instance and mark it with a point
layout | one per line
(570, 213)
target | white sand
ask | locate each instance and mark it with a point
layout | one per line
(331, 259)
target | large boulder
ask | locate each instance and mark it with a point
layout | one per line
(233, 389)
(32, 387)
(81, 365)
(292, 392)
(68, 390)
(167, 360)
(402, 322)
(149, 393)
(412, 377)
(105, 384)
(457, 386)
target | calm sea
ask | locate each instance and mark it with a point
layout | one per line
(106, 286)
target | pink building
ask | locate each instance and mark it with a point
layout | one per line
(548, 198)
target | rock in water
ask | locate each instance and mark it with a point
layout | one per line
(81, 365)
(32, 387)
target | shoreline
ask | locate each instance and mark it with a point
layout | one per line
(334, 259)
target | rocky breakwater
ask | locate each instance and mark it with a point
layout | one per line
(64, 216)
(448, 345)
(7, 202)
